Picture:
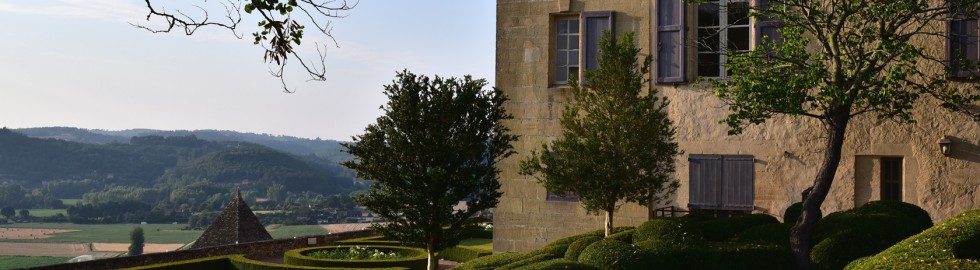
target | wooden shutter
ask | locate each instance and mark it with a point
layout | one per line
(766, 26)
(738, 188)
(704, 181)
(962, 44)
(594, 23)
(671, 57)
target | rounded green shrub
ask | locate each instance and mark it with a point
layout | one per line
(671, 230)
(413, 258)
(934, 248)
(576, 248)
(725, 228)
(697, 217)
(793, 212)
(775, 233)
(917, 214)
(557, 264)
(845, 236)
(492, 262)
(527, 261)
(612, 254)
(718, 255)
(623, 236)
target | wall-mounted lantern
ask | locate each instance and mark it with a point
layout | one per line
(945, 145)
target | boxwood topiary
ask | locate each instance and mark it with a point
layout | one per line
(216, 262)
(415, 258)
(718, 255)
(623, 236)
(934, 248)
(725, 228)
(917, 214)
(842, 237)
(462, 254)
(775, 233)
(557, 264)
(612, 254)
(527, 261)
(576, 248)
(793, 212)
(492, 262)
(671, 230)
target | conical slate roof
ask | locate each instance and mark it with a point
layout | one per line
(236, 224)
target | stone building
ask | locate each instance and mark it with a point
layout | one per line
(541, 43)
(236, 224)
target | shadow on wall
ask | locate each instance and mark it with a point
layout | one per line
(964, 150)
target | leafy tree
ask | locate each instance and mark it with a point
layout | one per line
(438, 143)
(8, 212)
(617, 144)
(840, 60)
(276, 192)
(136, 241)
(24, 214)
(279, 26)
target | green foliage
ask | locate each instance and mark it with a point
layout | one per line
(920, 217)
(463, 254)
(576, 248)
(493, 261)
(612, 254)
(290, 231)
(216, 263)
(438, 143)
(136, 241)
(617, 143)
(7, 212)
(725, 228)
(527, 261)
(671, 231)
(623, 236)
(793, 212)
(557, 264)
(19, 262)
(952, 244)
(412, 258)
(356, 253)
(842, 237)
(718, 255)
(775, 233)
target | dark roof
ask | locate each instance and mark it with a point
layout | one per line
(236, 224)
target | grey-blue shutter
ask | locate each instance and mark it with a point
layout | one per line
(594, 23)
(962, 44)
(766, 26)
(704, 181)
(738, 188)
(671, 56)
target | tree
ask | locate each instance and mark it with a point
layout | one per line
(8, 212)
(438, 143)
(136, 241)
(279, 26)
(617, 144)
(276, 192)
(25, 214)
(839, 60)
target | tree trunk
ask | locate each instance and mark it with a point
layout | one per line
(433, 260)
(801, 235)
(609, 221)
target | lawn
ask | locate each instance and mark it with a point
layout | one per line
(47, 212)
(16, 262)
(70, 202)
(290, 231)
(478, 243)
(108, 233)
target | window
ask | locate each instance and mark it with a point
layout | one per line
(566, 50)
(567, 197)
(723, 26)
(721, 182)
(891, 179)
(577, 43)
(963, 45)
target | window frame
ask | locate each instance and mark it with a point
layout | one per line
(557, 34)
(723, 28)
(891, 174)
(952, 38)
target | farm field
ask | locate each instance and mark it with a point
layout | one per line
(289, 231)
(70, 202)
(105, 233)
(16, 262)
(47, 212)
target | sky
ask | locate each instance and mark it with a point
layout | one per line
(79, 63)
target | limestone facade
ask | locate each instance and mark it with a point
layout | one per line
(786, 150)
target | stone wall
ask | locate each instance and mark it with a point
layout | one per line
(253, 250)
(787, 150)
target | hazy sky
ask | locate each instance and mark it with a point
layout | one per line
(79, 63)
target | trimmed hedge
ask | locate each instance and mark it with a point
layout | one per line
(842, 237)
(612, 254)
(370, 241)
(239, 262)
(726, 228)
(417, 258)
(217, 263)
(557, 264)
(952, 244)
(670, 230)
(918, 215)
(623, 236)
(462, 254)
(576, 248)
(527, 261)
(492, 262)
(793, 212)
(776, 233)
(718, 255)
